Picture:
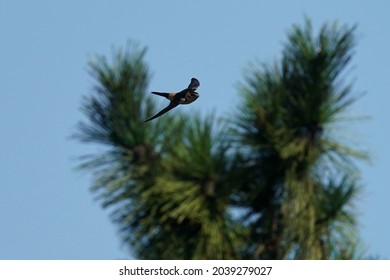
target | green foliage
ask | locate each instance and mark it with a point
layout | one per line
(273, 182)
(187, 206)
(284, 123)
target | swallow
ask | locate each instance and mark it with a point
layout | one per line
(186, 96)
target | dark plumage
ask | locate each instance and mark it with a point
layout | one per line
(186, 96)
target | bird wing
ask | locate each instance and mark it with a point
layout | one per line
(178, 98)
(194, 84)
(163, 111)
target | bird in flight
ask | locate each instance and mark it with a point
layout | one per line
(186, 96)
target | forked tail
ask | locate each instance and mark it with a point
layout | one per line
(164, 94)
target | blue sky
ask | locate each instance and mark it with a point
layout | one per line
(46, 209)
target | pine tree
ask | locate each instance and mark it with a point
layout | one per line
(271, 182)
(302, 179)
